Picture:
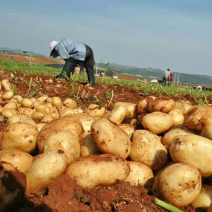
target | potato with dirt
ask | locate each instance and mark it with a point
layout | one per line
(94, 170)
(177, 116)
(19, 159)
(140, 175)
(194, 150)
(68, 123)
(131, 109)
(157, 122)
(70, 103)
(109, 138)
(180, 184)
(44, 169)
(207, 131)
(20, 136)
(117, 115)
(164, 105)
(147, 148)
(63, 140)
(97, 111)
(57, 101)
(183, 106)
(198, 116)
(143, 104)
(127, 128)
(37, 116)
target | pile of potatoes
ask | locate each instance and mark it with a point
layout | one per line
(158, 143)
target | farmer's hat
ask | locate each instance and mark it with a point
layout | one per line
(52, 46)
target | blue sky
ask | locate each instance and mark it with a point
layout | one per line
(175, 34)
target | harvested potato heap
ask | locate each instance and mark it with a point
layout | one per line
(158, 142)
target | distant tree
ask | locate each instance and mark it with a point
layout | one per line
(24, 52)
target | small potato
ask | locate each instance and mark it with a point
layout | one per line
(33, 99)
(57, 101)
(207, 131)
(204, 199)
(97, 111)
(143, 104)
(171, 134)
(183, 106)
(47, 118)
(11, 105)
(63, 140)
(6, 85)
(88, 146)
(140, 175)
(40, 126)
(20, 160)
(144, 143)
(54, 112)
(78, 110)
(180, 184)
(49, 100)
(42, 98)
(194, 150)
(127, 128)
(110, 138)
(36, 103)
(37, 116)
(117, 115)
(26, 102)
(49, 105)
(17, 99)
(70, 103)
(21, 119)
(8, 112)
(177, 116)
(7, 95)
(66, 112)
(28, 112)
(93, 170)
(44, 169)
(131, 109)
(161, 105)
(157, 122)
(43, 109)
(20, 136)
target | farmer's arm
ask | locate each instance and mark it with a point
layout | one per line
(62, 51)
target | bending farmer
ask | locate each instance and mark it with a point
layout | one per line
(74, 53)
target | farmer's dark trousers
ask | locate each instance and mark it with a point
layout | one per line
(88, 64)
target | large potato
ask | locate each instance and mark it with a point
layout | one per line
(65, 141)
(68, 123)
(44, 169)
(140, 174)
(198, 116)
(143, 104)
(147, 148)
(117, 115)
(171, 134)
(161, 104)
(177, 116)
(93, 170)
(110, 138)
(183, 106)
(88, 147)
(207, 131)
(131, 109)
(204, 199)
(180, 184)
(19, 159)
(194, 150)
(157, 122)
(20, 136)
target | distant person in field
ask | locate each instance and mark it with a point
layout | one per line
(74, 53)
(165, 77)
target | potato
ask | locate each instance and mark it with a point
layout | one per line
(117, 115)
(66, 112)
(161, 105)
(110, 138)
(97, 111)
(93, 170)
(57, 101)
(198, 116)
(37, 116)
(11, 105)
(194, 150)
(21, 119)
(36, 103)
(65, 141)
(40, 126)
(47, 118)
(69, 123)
(20, 136)
(20, 160)
(183, 106)
(7, 95)
(44, 169)
(33, 99)
(70, 103)
(26, 102)
(42, 98)
(143, 104)
(204, 199)
(78, 110)
(140, 174)
(88, 147)
(43, 109)
(127, 128)
(49, 105)
(207, 131)
(157, 122)
(144, 143)
(177, 116)
(6, 85)
(49, 100)
(131, 109)
(8, 112)
(28, 112)
(180, 184)
(17, 99)
(171, 134)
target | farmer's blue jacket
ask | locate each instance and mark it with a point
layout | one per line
(67, 48)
